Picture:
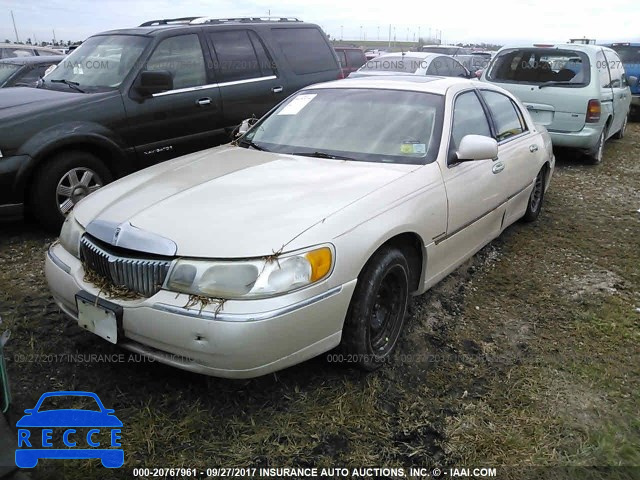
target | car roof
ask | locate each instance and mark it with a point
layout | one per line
(150, 30)
(427, 84)
(557, 46)
(33, 59)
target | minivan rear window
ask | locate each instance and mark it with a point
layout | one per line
(556, 67)
(305, 49)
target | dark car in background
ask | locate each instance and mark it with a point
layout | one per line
(351, 59)
(126, 99)
(25, 71)
(629, 54)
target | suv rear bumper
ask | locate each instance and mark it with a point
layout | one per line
(585, 138)
(11, 200)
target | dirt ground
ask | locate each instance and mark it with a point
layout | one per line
(526, 356)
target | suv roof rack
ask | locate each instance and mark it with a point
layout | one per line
(203, 20)
(169, 21)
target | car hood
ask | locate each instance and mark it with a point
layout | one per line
(230, 202)
(26, 100)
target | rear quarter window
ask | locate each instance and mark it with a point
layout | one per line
(536, 66)
(305, 50)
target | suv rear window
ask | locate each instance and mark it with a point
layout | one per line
(305, 49)
(537, 66)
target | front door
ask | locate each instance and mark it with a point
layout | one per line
(181, 120)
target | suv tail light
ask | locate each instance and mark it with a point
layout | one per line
(593, 111)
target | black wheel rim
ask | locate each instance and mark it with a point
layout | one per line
(536, 194)
(388, 311)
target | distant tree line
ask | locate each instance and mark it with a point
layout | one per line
(57, 43)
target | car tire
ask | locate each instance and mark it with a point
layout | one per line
(595, 155)
(619, 135)
(534, 206)
(377, 310)
(61, 182)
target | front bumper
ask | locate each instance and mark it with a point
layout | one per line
(585, 138)
(244, 339)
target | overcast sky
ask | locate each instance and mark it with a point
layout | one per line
(460, 21)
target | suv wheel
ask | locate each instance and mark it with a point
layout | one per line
(62, 182)
(377, 310)
(594, 157)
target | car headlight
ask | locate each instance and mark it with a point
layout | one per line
(70, 235)
(245, 279)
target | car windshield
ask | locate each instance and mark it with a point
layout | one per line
(372, 125)
(394, 63)
(102, 61)
(69, 402)
(6, 70)
(628, 54)
(537, 66)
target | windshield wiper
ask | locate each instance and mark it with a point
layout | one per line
(553, 83)
(74, 85)
(249, 143)
(321, 155)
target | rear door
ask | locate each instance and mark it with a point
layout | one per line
(551, 83)
(250, 83)
(607, 104)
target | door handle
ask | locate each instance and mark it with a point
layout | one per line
(203, 101)
(278, 89)
(498, 167)
(533, 148)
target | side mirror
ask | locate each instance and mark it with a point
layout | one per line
(476, 147)
(246, 125)
(632, 81)
(151, 82)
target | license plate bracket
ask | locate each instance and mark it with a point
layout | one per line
(99, 316)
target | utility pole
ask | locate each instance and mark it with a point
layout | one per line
(389, 35)
(378, 32)
(14, 27)
(341, 32)
(360, 32)
(54, 36)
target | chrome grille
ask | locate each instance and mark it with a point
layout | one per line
(141, 275)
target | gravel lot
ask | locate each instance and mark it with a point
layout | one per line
(527, 355)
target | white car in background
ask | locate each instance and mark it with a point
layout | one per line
(413, 63)
(310, 233)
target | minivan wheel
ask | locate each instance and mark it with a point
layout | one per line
(377, 310)
(536, 198)
(619, 135)
(62, 182)
(594, 157)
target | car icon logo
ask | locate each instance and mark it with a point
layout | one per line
(80, 433)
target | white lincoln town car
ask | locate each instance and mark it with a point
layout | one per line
(309, 232)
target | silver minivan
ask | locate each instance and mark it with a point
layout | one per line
(578, 92)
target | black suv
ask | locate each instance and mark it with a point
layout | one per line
(126, 99)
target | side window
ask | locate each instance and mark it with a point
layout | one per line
(457, 70)
(603, 70)
(306, 49)
(267, 65)
(508, 121)
(468, 119)
(11, 52)
(355, 58)
(237, 59)
(31, 76)
(436, 67)
(182, 57)
(615, 69)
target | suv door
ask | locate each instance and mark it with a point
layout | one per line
(621, 94)
(177, 121)
(247, 76)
